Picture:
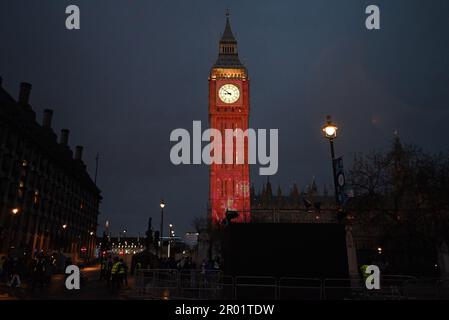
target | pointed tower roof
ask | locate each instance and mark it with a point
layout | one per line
(228, 54)
(227, 36)
(279, 192)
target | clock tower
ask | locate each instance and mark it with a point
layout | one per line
(229, 109)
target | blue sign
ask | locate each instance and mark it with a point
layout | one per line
(341, 180)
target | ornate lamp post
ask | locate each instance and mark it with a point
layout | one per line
(170, 236)
(162, 205)
(14, 212)
(64, 236)
(330, 133)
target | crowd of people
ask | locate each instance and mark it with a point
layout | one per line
(181, 264)
(186, 263)
(168, 271)
(17, 272)
(36, 273)
(114, 271)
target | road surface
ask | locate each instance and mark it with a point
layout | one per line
(92, 289)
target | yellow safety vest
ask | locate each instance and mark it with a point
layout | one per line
(363, 269)
(121, 269)
(115, 268)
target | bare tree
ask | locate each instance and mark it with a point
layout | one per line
(404, 195)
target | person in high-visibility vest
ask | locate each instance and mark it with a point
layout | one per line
(363, 270)
(115, 277)
(122, 272)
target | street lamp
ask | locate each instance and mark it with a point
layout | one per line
(170, 231)
(170, 235)
(162, 205)
(330, 129)
(14, 212)
(63, 237)
(330, 133)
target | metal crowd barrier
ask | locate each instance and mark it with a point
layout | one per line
(427, 289)
(392, 287)
(260, 288)
(184, 284)
(342, 289)
(155, 283)
(300, 289)
(443, 289)
(212, 285)
(194, 284)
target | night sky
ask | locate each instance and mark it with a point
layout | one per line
(138, 69)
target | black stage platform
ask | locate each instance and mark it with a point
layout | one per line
(285, 250)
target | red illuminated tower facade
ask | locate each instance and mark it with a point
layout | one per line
(229, 109)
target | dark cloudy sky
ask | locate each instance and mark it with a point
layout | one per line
(138, 69)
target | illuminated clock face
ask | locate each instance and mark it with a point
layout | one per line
(229, 93)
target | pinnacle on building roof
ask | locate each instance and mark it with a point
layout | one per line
(227, 36)
(228, 53)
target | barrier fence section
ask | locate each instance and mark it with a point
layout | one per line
(184, 284)
(213, 285)
(260, 288)
(155, 283)
(430, 289)
(300, 289)
(194, 284)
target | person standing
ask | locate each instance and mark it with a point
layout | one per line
(123, 273)
(38, 272)
(103, 269)
(15, 274)
(48, 271)
(137, 267)
(138, 276)
(2, 268)
(115, 277)
(109, 265)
